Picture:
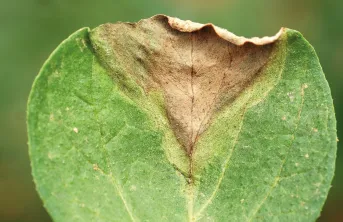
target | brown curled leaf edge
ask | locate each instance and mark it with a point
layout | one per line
(199, 68)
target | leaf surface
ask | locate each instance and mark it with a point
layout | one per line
(166, 120)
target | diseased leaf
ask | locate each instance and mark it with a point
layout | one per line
(169, 120)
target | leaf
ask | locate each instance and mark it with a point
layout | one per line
(169, 120)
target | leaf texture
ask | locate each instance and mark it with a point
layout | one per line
(167, 120)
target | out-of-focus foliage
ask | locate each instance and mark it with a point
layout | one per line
(31, 29)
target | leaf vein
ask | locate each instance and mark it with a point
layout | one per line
(226, 163)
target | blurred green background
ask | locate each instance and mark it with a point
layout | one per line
(31, 29)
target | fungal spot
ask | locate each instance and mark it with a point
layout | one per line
(75, 130)
(51, 117)
(55, 74)
(296, 164)
(307, 156)
(95, 167)
(133, 188)
(67, 109)
(242, 200)
(305, 86)
(317, 184)
(50, 156)
(291, 96)
(284, 118)
(315, 130)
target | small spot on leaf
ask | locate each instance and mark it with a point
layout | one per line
(95, 167)
(291, 96)
(133, 188)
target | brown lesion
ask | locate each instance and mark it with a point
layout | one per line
(197, 67)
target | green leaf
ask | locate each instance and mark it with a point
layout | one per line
(166, 120)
